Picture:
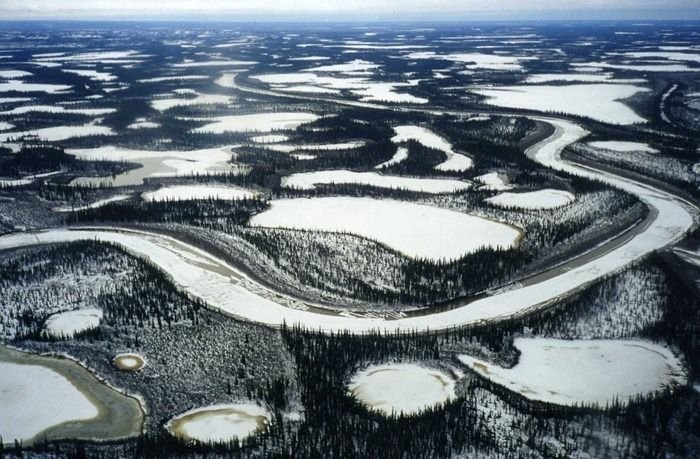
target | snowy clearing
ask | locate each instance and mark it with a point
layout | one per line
(540, 199)
(476, 60)
(400, 155)
(406, 388)
(58, 109)
(455, 161)
(190, 192)
(417, 231)
(219, 423)
(34, 398)
(200, 99)
(21, 86)
(601, 102)
(623, 147)
(92, 74)
(57, 133)
(493, 181)
(65, 325)
(309, 180)
(582, 372)
(259, 122)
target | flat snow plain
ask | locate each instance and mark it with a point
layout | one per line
(417, 231)
(547, 198)
(585, 372)
(600, 102)
(309, 180)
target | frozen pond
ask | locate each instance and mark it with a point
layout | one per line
(415, 230)
(219, 423)
(538, 200)
(55, 398)
(406, 388)
(585, 372)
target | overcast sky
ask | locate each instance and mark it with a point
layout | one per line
(348, 9)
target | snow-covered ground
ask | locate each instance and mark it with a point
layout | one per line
(289, 148)
(454, 161)
(189, 192)
(309, 180)
(417, 231)
(493, 181)
(406, 388)
(602, 102)
(672, 221)
(622, 146)
(92, 74)
(58, 109)
(475, 61)
(21, 86)
(199, 99)
(219, 423)
(585, 372)
(58, 133)
(547, 198)
(259, 122)
(400, 155)
(67, 324)
(34, 398)
(166, 163)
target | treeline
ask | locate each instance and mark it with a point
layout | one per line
(207, 213)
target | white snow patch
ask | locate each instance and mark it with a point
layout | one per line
(493, 181)
(397, 388)
(623, 147)
(219, 423)
(547, 198)
(68, 324)
(190, 192)
(259, 122)
(455, 161)
(417, 231)
(400, 155)
(583, 372)
(601, 102)
(309, 180)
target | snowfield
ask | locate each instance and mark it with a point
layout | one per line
(397, 388)
(34, 398)
(219, 423)
(540, 199)
(600, 102)
(400, 155)
(585, 372)
(455, 161)
(623, 147)
(417, 231)
(475, 61)
(199, 99)
(190, 192)
(309, 180)
(58, 133)
(259, 122)
(493, 181)
(64, 325)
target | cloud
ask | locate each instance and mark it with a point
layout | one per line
(17, 9)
